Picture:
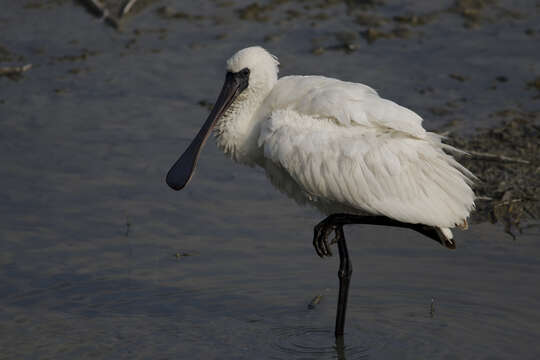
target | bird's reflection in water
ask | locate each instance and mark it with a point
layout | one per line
(340, 348)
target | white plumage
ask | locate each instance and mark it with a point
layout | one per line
(341, 148)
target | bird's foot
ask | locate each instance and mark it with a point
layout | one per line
(321, 234)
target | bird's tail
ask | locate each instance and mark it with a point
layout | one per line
(446, 237)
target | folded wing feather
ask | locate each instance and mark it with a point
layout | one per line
(345, 102)
(391, 172)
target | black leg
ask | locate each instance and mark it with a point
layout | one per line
(334, 223)
(340, 348)
(344, 274)
(323, 229)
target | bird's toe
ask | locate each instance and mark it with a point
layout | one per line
(320, 240)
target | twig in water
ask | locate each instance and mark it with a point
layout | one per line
(127, 7)
(14, 70)
(315, 301)
(490, 156)
(102, 10)
(180, 254)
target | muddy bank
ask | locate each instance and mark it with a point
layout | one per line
(506, 161)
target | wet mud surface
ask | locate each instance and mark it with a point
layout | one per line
(505, 160)
(100, 260)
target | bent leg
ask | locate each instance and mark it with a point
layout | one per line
(323, 229)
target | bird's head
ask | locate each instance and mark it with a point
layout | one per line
(260, 67)
(250, 71)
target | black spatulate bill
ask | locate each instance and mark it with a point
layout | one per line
(182, 170)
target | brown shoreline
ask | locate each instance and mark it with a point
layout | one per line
(507, 190)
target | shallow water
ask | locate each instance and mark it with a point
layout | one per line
(100, 259)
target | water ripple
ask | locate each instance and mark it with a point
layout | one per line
(301, 341)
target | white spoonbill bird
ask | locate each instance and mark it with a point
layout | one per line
(339, 147)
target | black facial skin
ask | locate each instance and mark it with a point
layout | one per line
(181, 172)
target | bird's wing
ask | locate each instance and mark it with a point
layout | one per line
(379, 171)
(345, 102)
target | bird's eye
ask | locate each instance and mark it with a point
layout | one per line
(244, 72)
